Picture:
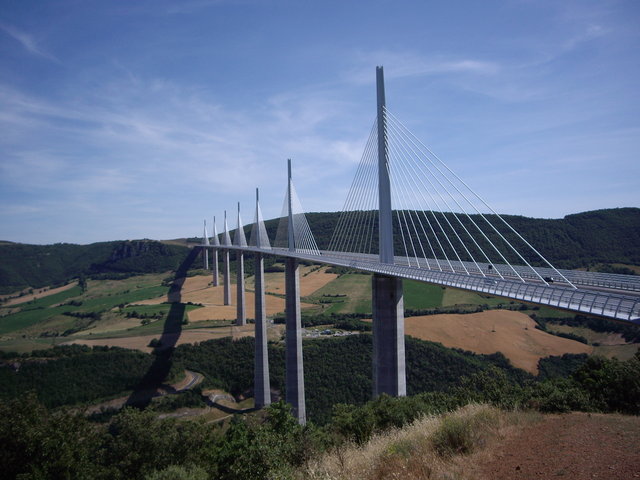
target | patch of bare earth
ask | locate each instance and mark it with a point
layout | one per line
(512, 333)
(575, 446)
(199, 290)
(39, 293)
(186, 336)
(312, 278)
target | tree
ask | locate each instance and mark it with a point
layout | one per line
(82, 282)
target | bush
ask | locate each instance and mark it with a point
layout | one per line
(461, 432)
(178, 472)
(560, 395)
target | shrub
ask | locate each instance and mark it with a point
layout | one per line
(461, 432)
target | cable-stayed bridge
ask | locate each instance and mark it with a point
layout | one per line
(407, 216)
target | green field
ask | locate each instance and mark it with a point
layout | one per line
(418, 295)
(36, 311)
(47, 315)
(453, 297)
(356, 287)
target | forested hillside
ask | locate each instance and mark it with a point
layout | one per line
(337, 370)
(582, 240)
(37, 266)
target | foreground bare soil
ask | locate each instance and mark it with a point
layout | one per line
(512, 333)
(498, 445)
(575, 446)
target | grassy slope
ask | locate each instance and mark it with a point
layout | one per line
(46, 314)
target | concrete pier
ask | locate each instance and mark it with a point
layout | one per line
(261, 384)
(226, 277)
(293, 342)
(216, 274)
(241, 315)
(388, 337)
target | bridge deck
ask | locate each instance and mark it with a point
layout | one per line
(598, 295)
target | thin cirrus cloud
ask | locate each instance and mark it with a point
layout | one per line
(190, 141)
(156, 109)
(406, 64)
(28, 42)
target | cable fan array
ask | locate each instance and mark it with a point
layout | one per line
(438, 219)
(304, 241)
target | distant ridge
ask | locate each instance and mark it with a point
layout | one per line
(600, 239)
(580, 240)
(36, 266)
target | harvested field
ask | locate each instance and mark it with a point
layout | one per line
(112, 325)
(512, 333)
(186, 336)
(311, 279)
(39, 293)
(199, 290)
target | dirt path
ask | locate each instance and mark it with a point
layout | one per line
(575, 446)
(190, 380)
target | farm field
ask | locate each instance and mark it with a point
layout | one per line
(131, 312)
(348, 293)
(512, 333)
(36, 294)
(312, 278)
(141, 342)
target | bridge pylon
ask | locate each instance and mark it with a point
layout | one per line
(389, 374)
(240, 241)
(205, 252)
(216, 241)
(226, 274)
(294, 372)
(261, 383)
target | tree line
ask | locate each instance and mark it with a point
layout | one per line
(135, 444)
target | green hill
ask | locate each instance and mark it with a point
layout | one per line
(37, 266)
(599, 239)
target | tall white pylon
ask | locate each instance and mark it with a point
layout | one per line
(226, 240)
(240, 241)
(205, 255)
(216, 279)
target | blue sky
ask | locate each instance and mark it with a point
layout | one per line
(124, 120)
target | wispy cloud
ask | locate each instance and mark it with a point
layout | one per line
(149, 136)
(409, 64)
(28, 42)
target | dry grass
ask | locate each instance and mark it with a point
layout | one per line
(312, 279)
(426, 449)
(37, 293)
(512, 333)
(186, 336)
(198, 289)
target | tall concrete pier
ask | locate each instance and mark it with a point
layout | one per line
(226, 240)
(240, 241)
(293, 342)
(293, 334)
(261, 383)
(387, 303)
(241, 308)
(205, 251)
(216, 274)
(388, 337)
